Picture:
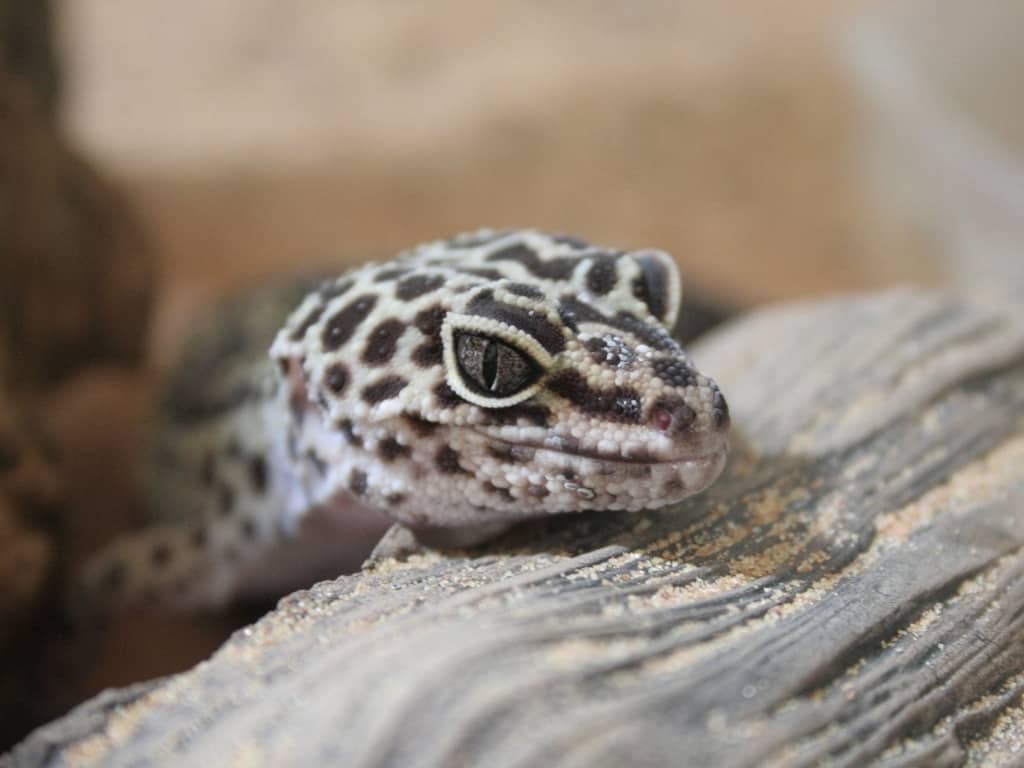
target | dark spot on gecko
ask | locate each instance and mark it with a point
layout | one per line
(720, 414)
(414, 286)
(547, 334)
(673, 486)
(428, 321)
(524, 290)
(447, 461)
(160, 554)
(651, 285)
(537, 491)
(284, 365)
(421, 427)
(428, 354)
(357, 482)
(603, 274)
(307, 322)
(198, 538)
(568, 318)
(390, 449)
(383, 389)
(604, 352)
(446, 396)
(501, 452)
(207, 470)
(394, 499)
(249, 528)
(571, 240)
(318, 464)
(340, 327)
(511, 454)
(336, 378)
(258, 474)
(569, 474)
(505, 493)
(335, 288)
(382, 341)
(557, 268)
(225, 500)
(347, 429)
(391, 274)
(674, 371)
(573, 311)
(618, 403)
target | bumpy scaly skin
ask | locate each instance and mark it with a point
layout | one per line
(370, 396)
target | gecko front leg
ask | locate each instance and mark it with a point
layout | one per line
(400, 541)
(179, 567)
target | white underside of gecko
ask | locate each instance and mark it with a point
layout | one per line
(464, 385)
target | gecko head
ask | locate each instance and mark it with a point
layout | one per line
(501, 376)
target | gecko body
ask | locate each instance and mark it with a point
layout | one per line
(462, 386)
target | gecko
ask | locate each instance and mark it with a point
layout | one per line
(465, 385)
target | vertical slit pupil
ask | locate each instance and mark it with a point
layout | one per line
(490, 365)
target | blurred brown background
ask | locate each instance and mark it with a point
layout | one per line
(257, 135)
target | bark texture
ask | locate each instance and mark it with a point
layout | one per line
(851, 592)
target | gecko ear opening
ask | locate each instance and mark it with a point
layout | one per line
(658, 285)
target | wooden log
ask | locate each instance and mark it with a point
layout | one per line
(851, 592)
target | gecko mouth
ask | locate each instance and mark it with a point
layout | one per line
(571, 447)
(604, 480)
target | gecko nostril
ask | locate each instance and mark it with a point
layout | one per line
(672, 417)
(661, 418)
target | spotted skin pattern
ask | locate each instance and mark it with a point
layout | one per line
(463, 386)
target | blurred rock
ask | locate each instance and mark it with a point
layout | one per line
(31, 543)
(26, 47)
(76, 277)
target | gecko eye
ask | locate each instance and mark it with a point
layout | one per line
(493, 368)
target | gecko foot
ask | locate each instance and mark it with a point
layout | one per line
(401, 541)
